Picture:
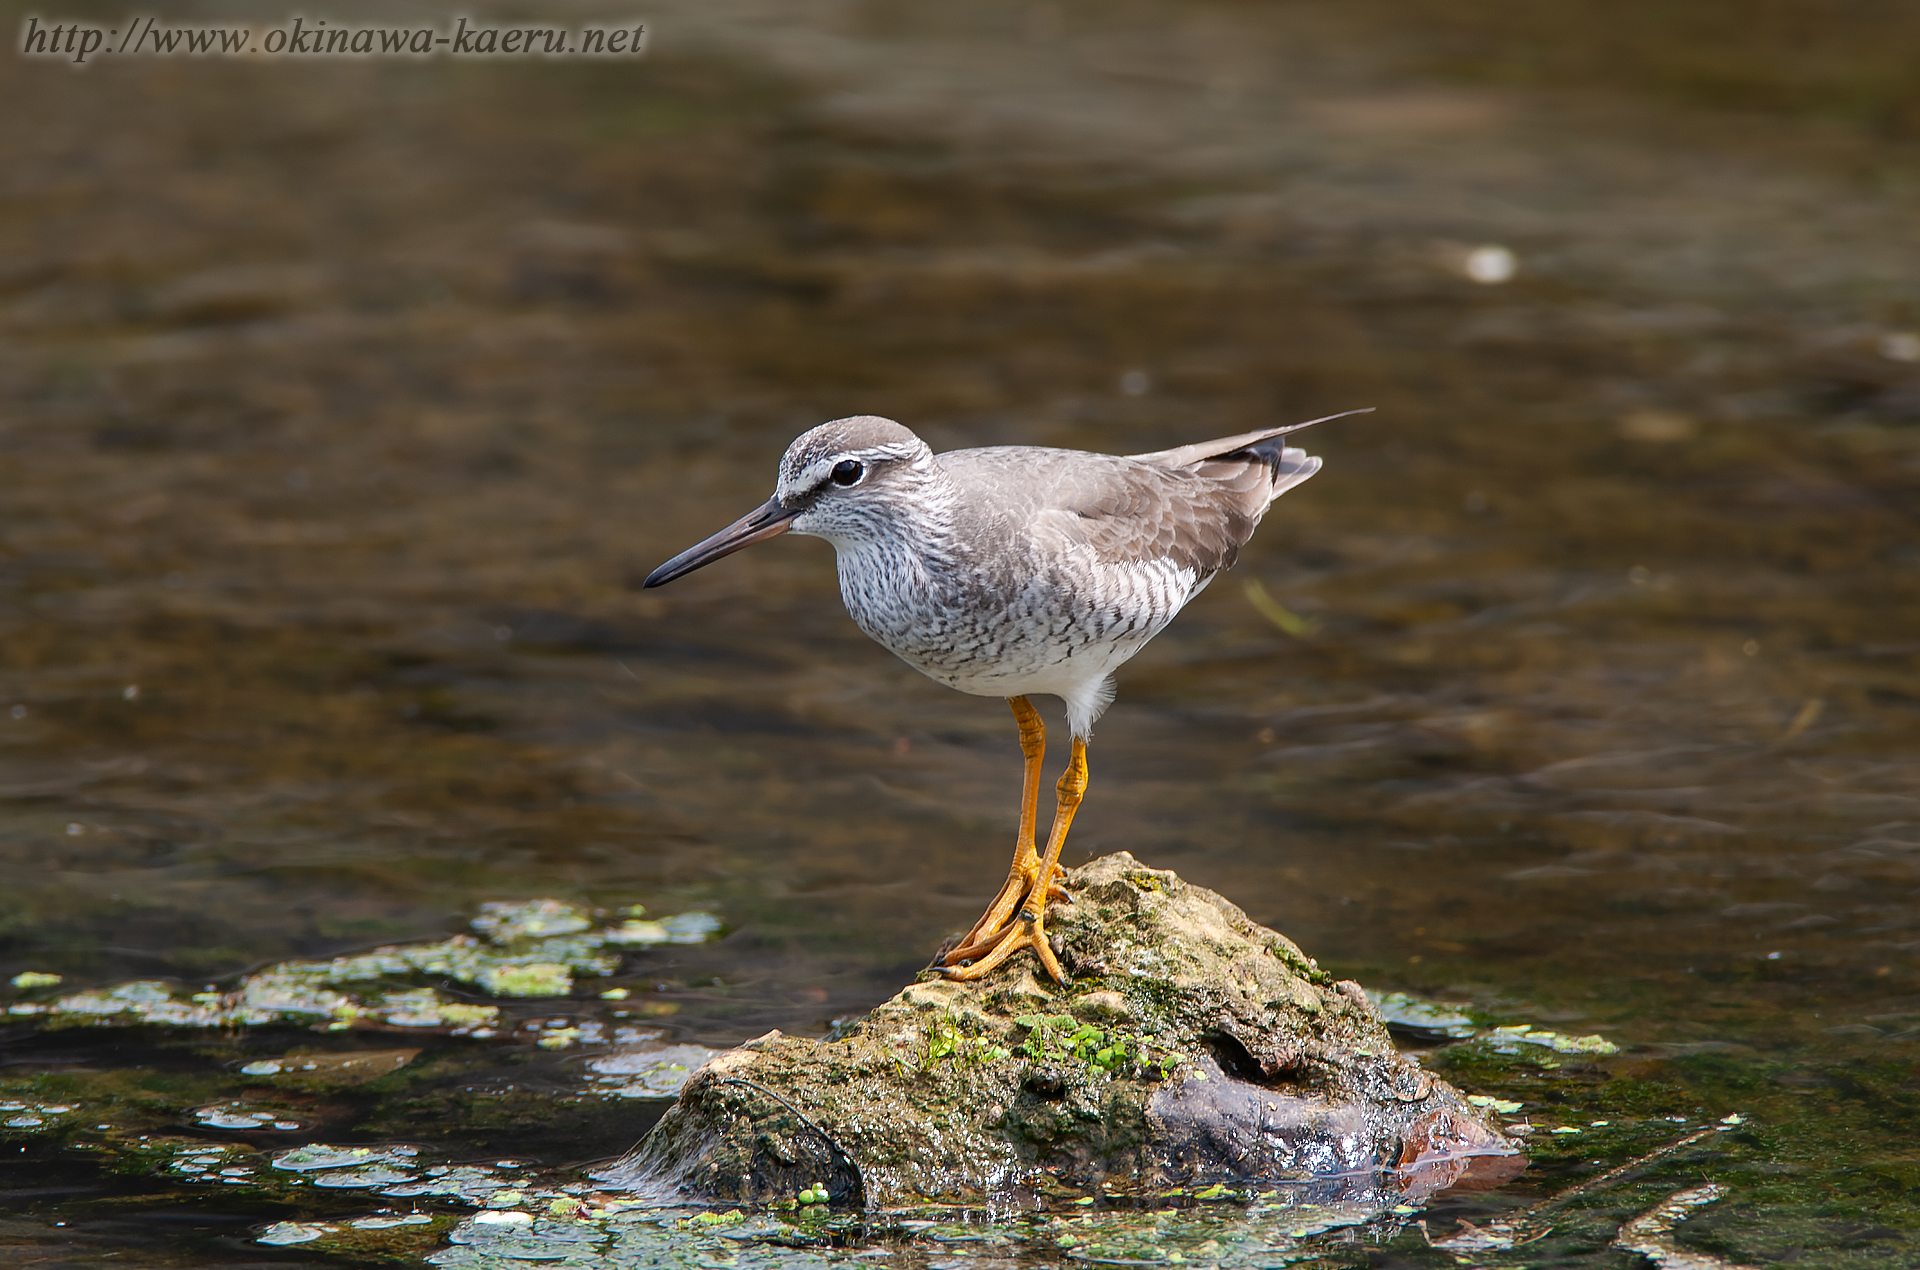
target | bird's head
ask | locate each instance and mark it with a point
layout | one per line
(841, 481)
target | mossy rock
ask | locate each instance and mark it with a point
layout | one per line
(1191, 1044)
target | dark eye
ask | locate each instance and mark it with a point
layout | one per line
(848, 472)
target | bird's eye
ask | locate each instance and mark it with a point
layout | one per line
(848, 472)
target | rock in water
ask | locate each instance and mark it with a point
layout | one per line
(1190, 1045)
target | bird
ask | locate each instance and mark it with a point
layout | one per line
(1009, 571)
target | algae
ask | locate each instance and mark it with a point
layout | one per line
(518, 1213)
(1420, 1020)
(531, 949)
(507, 922)
(657, 1072)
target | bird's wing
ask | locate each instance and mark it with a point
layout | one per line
(1194, 516)
(1128, 512)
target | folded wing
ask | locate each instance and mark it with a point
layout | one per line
(1193, 507)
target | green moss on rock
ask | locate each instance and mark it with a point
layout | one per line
(1191, 1043)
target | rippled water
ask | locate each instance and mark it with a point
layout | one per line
(341, 407)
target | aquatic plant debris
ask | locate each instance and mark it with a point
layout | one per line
(1523, 1034)
(520, 1214)
(1419, 1019)
(21, 1113)
(532, 979)
(1266, 1234)
(1434, 1022)
(530, 949)
(647, 1073)
(309, 1159)
(293, 1232)
(506, 922)
(247, 1116)
(1103, 1032)
(397, 1171)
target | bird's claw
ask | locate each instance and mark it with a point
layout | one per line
(1022, 933)
(982, 953)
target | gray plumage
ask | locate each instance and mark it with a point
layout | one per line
(1013, 570)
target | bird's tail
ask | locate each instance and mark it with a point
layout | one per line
(1289, 464)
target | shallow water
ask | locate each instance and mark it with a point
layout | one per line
(344, 405)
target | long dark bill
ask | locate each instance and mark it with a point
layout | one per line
(758, 525)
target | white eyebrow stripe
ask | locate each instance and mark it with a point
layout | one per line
(812, 478)
(878, 454)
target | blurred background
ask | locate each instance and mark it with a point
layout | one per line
(343, 404)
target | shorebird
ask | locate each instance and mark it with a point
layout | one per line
(1012, 570)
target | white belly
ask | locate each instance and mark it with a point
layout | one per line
(1061, 633)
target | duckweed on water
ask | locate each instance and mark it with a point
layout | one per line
(114, 1120)
(1506, 1040)
(548, 1219)
(507, 922)
(308, 1159)
(1432, 1022)
(247, 1116)
(531, 949)
(1268, 1235)
(1416, 1019)
(521, 1214)
(647, 1073)
(29, 1114)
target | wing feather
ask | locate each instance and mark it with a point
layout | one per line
(1187, 455)
(1196, 516)
(1192, 507)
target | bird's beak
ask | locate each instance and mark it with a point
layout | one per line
(758, 525)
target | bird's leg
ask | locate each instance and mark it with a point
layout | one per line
(1029, 927)
(1068, 793)
(1026, 860)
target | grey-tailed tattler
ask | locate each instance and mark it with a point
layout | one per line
(1011, 570)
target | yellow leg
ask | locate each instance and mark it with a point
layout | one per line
(1026, 860)
(1029, 927)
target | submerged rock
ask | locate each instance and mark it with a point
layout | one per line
(1190, 1045)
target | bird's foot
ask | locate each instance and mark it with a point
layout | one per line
(1023, 931)
(1005, 914)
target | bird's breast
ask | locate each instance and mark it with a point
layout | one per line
(962, 624)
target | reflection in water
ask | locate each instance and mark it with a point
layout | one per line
(343, 407)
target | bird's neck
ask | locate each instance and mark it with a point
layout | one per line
(919, 525)
(899, 560)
